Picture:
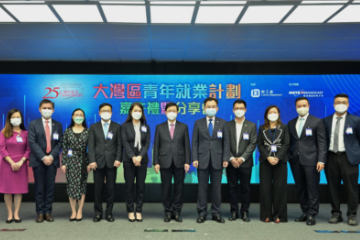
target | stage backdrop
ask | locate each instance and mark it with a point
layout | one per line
(24, 92)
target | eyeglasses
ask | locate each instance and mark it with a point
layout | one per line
(337, 103)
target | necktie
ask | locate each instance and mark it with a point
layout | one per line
(48, 138)
(336, 135)
(106, 129)
(210, 127)
(172, 131)
(301, 125)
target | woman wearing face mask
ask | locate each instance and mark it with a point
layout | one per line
(136, 141)
(273, 144)
(74, 162)
(14, 150)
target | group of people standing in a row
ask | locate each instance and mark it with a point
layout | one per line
(309, 144)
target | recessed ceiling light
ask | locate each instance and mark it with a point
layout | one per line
(171, 14)
(312, 13)
(31, 13)
(350, 14)
(78, 13)
(125, 14)
(265, 14)
(222, 2)
(4, 17)
(218, 14)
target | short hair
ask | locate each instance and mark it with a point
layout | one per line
(171, 104)
(211, 99)
(44, 101)
(240, 101)
(341, 95)
(105, 104)
(301, 98)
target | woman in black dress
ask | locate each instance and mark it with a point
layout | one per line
(135, 136)
(74, 162)
(273, 144)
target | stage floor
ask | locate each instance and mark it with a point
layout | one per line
(153, 215)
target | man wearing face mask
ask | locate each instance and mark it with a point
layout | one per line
(307, 158)
(172, 158)
(105, 155)
(210, 153)
(45, 140)
(242, 146)
(343, 158)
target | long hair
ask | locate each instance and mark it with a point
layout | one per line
(267, 122)
(129, 117)
(72, 120)
(8, 129)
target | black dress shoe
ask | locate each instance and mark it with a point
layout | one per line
(78, 219)
(9, 221)
(234, 216)
(310, 221)
(17, 220)
(110, 218)
(302, 218)
(177, 218)
(244, 217)
(72, 219)
(201, 220)
(218, 219)
(336, 218)
(167, 218)
(97, 218)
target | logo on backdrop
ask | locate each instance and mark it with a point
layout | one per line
(255, 93)
(65, 91)
(303, 93)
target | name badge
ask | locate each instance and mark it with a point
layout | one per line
(56, 136)
(308, 132)
(246, 136)
(349, 130)
(19, 139)
(110, 135)
(273, 148)
(70, 153)
(219, 134)
(143, 129)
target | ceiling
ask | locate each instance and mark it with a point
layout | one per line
(213, 42)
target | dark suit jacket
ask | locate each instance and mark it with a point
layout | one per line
(309, 149)
(166, 150)
(37, 142)
(128, 138)
(105, 151)
(282, 141)
(246, 147)
(352, 141)
(204, 145)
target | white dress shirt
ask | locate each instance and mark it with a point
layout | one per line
(298, 123)
(238, 127)
(341, 146)
(137, 142)
(103, 122)
(169, 124)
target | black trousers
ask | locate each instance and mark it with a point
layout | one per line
(273, 194)
(203, 179)
(99, 178)
(339, 168)
(130, 173)
(166, 178)
(44, 177)
(307, 183)
(233, 176)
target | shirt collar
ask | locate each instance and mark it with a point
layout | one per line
(169, 123)
(241, 122)
(103, 122)
(343, 116)
(207, 119)
(43, 119)
(304, 117)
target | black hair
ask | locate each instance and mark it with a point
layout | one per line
(301, 98)
(105, 104)
(240, 101)
(341, 95)
(129, 117)
(72, 120)
(44, 101)
(170, 104)
(211, 99)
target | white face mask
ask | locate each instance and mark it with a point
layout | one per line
(171, 116)
(302, 111)
(210, 112)
(273, 117)
(105, 116)
(136, 115)
(341, 108)
(46, 113)
(239, 113)
(15, 121)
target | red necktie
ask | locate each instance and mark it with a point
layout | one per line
(48, 138)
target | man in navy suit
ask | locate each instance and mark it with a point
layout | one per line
(343, 138)
(307, 158)
(45, 139)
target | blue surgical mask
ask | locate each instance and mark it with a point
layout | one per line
(210, 112)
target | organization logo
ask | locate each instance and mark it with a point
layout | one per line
(303, 93)
(255, 93)
(65, 91)
(264, 93)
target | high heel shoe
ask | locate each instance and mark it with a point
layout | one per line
(139, 220)
(78, 219)
(9, 221)
(72, 219)
(17, 220)
(131, 219)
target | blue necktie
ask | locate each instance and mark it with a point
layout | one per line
(210, 127)
(106, 129)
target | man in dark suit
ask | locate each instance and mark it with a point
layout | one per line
(210, 153)
(307, 158)
(343, 159)
(105, 152)
(242, 146)
(45, 139)
(172, 157)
